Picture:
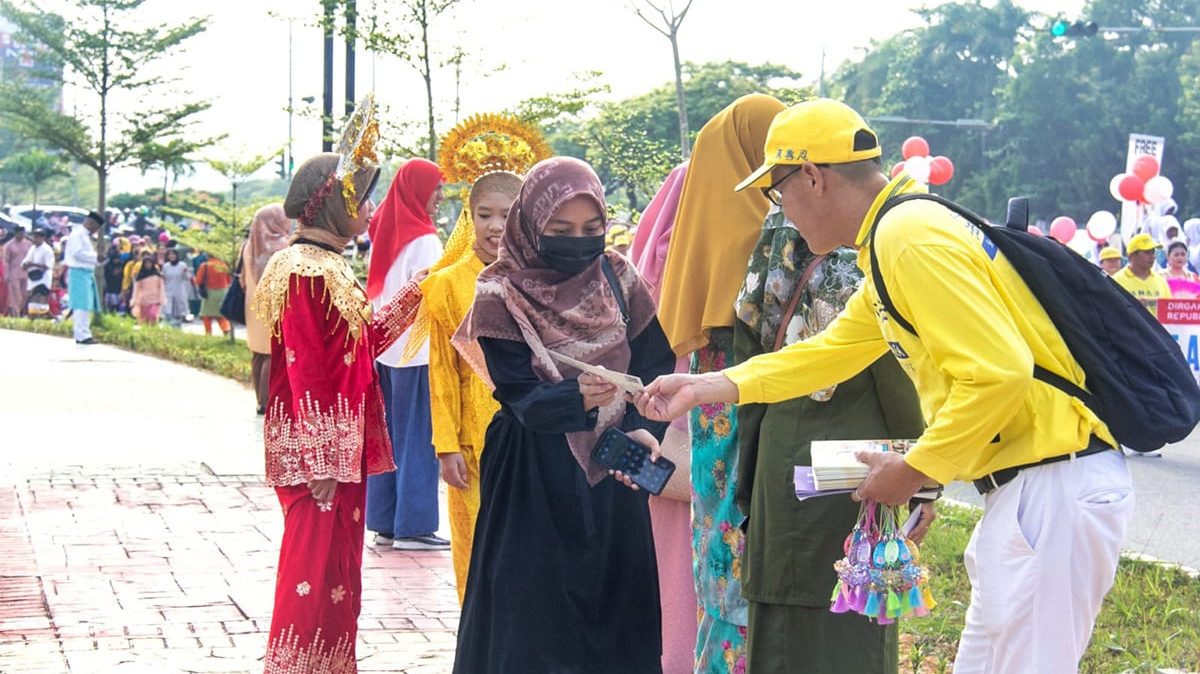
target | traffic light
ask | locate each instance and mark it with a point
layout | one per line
(1063, 28)
(282, 171)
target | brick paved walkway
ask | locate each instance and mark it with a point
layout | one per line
(172, 570)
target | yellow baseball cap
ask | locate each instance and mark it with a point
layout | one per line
(1110, 253)
(822, 131)
(1142, 242)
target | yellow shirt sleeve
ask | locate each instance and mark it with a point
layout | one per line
(444, 389)
(846, 347)
(973, 342)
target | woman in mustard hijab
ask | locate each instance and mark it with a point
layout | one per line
(715, 231)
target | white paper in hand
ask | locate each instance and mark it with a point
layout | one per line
(625, 382)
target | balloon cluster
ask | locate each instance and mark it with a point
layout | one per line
(1143, 185)
(923, 168)
(881, 576)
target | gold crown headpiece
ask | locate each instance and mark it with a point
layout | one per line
(356, 149)
(487, 143)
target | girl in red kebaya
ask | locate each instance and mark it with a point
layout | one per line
(324, 427)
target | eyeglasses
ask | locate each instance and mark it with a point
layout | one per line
(772, 192)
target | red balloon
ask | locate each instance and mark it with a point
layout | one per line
(1131, 188)
(941, 170)
(915, 146)
(1145, 167)
(1063, 228)
(897, 169)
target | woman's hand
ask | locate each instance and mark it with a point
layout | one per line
(642, 437)
(454, 470)
(596, 392)
(322, 490)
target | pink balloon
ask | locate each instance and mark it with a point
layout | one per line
(1145, 167)
(897, 169)
(915, 146)
(1063, 229)
(1036, 231)
(941, 170)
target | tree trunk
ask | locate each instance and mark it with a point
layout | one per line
(35, 200)
(166, 179)
(102, 172)
(428, 74)
(685, 143)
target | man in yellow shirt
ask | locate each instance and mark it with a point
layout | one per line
(1110, 260)
(1139, 277)
(1058, 498)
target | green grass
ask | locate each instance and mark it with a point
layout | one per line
(1150, 619)
(212, 354)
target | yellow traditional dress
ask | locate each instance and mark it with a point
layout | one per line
(463, 405)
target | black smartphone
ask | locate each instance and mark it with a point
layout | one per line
(617, 451)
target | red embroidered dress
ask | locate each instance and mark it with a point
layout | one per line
(325, 419)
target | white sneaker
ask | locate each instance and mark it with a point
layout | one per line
(383, 541)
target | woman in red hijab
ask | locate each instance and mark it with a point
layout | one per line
(402, 507)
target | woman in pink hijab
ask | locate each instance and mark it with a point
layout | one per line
(671, 514)
(269, 232)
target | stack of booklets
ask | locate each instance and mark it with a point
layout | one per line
(835, 470)
(835, 466)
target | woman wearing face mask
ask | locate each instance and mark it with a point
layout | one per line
(562, 573)
(324, 429)
(402, 508)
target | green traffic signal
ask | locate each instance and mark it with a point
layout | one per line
(1061, 28)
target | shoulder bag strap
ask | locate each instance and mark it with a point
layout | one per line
(613, 283)
(801, 287)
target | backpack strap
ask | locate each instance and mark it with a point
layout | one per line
(1040, 373)
(788, 313)
(613, 283)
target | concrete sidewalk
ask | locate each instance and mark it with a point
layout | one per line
(136, 534)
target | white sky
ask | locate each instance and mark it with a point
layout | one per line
(241, 61)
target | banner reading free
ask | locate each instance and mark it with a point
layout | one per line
(1181, 318)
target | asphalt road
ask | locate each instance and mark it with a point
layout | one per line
(1165, 526)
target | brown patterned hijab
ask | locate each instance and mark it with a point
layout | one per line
(520, 298)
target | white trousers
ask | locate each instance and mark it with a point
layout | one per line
(82, 323)
(1040, 562)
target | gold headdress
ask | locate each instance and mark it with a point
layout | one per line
(356, 149)
(490, 142)
(479, 145)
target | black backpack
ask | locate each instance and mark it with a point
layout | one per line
(1137, 379)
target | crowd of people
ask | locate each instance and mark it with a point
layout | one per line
(153, 279)
(745, 299)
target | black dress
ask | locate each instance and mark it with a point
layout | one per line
(563, 577)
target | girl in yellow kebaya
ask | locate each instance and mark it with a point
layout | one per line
(462, 403)
(485, 152)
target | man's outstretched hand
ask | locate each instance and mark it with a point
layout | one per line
(672, 395)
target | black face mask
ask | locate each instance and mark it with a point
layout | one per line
(570, 254)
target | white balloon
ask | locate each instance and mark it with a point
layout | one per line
(1114, 186)
(1158, 190)
(918, 168)
(1082, 243)
(1102, 225)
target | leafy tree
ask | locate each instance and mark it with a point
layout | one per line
(404, 29)
(32, 169)
(174, 158)
(107, 58)
(629, 142)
